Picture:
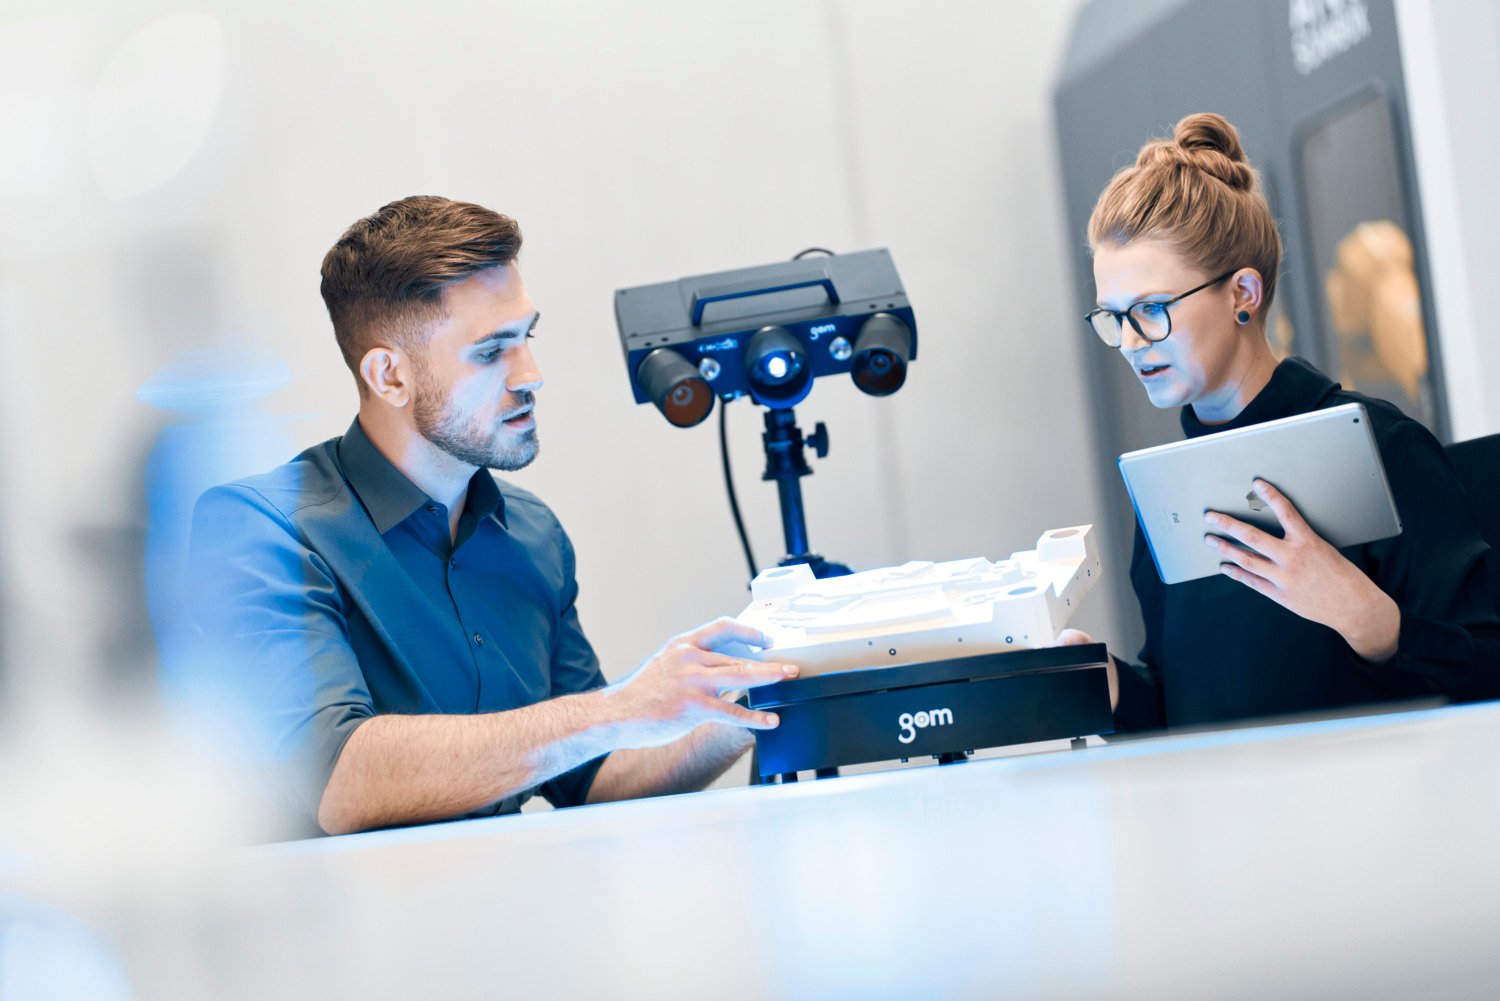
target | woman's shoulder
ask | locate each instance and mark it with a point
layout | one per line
(1386, 419)
(1399, 436)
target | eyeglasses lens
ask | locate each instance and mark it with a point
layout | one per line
(1151, 317)
(1107, 326)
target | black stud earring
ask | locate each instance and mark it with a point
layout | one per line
(1243, 316)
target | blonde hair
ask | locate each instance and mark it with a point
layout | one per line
(1197, 194)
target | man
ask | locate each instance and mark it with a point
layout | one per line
(401, 629)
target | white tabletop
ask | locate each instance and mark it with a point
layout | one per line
(1351, 858)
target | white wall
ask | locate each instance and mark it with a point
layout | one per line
(635, 142)
(1450, 51)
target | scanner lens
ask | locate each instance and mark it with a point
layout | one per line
(880, 355)
(676, 387)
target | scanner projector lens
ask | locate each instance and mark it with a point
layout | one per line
(880, 355)
(776, 365)
(676, 387)
(779, 368)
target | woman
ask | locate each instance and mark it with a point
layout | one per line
(1186, 255)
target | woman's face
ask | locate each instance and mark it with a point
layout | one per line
(1196, 361)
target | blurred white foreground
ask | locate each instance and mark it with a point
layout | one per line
(1333, 859)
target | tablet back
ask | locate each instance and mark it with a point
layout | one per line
(1325, 462)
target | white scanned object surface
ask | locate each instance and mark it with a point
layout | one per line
(923, 611)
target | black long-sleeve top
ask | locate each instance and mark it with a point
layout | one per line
(1216, 651)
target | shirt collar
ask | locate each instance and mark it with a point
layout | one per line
(390, 497)
(1295, 388)
(485, 498)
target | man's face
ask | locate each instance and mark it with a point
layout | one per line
(475, 376)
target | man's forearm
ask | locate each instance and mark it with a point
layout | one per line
(685, 765)
(416, 769)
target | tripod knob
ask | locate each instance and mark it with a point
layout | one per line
(819, 439)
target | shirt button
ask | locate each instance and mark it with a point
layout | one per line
(432, 509)
(478, 640)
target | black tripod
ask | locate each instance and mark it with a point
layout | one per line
(786, 464)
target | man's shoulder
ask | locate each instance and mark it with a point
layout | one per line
(524, 507)
(309, 481)
(519, 495)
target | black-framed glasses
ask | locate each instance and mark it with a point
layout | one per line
(1152, 320)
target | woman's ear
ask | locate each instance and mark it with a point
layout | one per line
(1249, 292)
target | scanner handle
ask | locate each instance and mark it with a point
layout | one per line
(746, 290)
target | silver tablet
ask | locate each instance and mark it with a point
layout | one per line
(1325, 462)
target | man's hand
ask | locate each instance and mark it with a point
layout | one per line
(1305, 575)
(1077, 637)
(412, 769)
(685, 683)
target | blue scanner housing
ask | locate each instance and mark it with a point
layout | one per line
(709, 321)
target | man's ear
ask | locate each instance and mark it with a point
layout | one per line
(385, 372)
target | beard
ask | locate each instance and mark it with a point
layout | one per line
(464, 436)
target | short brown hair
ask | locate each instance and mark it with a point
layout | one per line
(385, 276)
(1197, 193)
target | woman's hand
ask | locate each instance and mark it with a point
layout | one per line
(1077, 637)
(1304, 574)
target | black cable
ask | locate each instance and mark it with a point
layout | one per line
(734, 504)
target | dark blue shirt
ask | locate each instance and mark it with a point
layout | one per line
(328, 590)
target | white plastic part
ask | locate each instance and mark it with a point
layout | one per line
(780, 582)
(923, 611)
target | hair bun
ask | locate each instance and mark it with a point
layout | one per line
(1211, 144)
(1196, 195)
(1206, 130)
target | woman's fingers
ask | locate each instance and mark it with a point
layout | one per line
(1244, 533)
(1290, 518)
(1241, 557)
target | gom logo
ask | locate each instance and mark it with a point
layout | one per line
(910, 723)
